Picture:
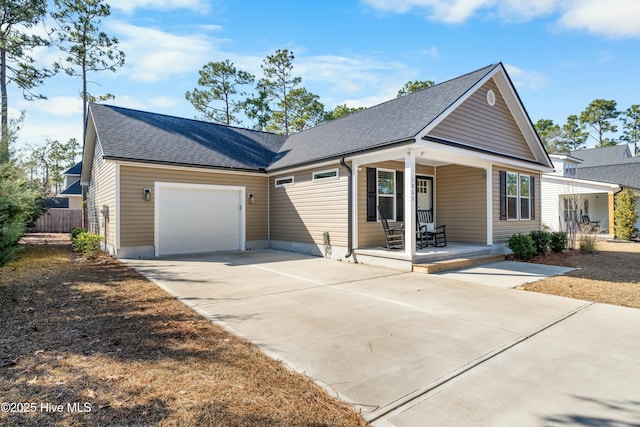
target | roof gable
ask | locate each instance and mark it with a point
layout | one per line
(74, 170)
(475, 123)
(398, 120)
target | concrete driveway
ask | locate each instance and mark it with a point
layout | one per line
(409, 349)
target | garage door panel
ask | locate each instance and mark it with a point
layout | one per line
(198, 218)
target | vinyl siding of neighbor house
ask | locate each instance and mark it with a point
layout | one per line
(137, 215)
(102, 192)
(461, 203)
(301, 212)
(369, 232)
(477, 124)
(503, 229)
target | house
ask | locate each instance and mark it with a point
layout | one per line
(65, 211)
(72, 189)
(584, 185)
(466, 148)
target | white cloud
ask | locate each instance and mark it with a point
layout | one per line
(348, 75)
(449, 11)
(432, 52)
(612, 18)
(163, 101)
(526, 79)
(59, 106)
(154, 55)
(129, 6)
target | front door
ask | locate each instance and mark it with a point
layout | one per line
(424, 191)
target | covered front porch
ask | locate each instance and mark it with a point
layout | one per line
(455, 185)
(398, 259)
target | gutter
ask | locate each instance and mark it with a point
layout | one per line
(349, 210)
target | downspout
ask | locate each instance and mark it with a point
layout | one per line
(614, 209)
(349, 210)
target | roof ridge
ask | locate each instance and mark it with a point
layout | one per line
(184, 118)
(488, 67)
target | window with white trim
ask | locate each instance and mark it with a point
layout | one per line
(518, 191)
(386, 182)
(281, 182)
(525, 197)
(326, 174)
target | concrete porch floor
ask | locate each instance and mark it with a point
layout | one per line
(397, 259)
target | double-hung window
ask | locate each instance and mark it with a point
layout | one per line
(386, 182)
(518, 195)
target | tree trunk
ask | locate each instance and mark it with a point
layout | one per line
(4, 139)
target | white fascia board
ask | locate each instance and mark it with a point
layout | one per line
(521, 117)
(595, 185)
(294, 169)
(384, 155)
(456, 104)
(184, 168)
(472, 158)
(88, 151)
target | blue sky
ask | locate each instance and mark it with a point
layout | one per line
(560, 54)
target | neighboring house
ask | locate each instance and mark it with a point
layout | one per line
(466, 148)
(65, 211)
(584, 185)
(72, 189)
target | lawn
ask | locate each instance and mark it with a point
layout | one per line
(94, 343)
(610, 274)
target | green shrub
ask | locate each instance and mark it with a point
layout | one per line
(88, 244)
(558, 242)
(625, 214)
(522, 246)
(541, 240)
(19, 207)
(75, 231)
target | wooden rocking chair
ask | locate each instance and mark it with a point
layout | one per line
(437, 236)
(394, 236)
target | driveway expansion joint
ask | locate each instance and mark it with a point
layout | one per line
(411, 399)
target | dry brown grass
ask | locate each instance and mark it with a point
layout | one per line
(97, 332)
(608, 275)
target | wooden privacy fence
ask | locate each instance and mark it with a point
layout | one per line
(59, 221)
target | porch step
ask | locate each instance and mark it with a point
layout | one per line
(454, 264)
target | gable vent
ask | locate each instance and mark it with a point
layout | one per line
(491, 98)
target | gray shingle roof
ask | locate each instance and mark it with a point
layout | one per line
(399, 119)
(603, 155)
(149, 137)
(627, 174)
(73, 189)
(74, 170)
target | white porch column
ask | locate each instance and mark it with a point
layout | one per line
(489, 180)
(410, 204)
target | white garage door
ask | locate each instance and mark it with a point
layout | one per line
(192, 218)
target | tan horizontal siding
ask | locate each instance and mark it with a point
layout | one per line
(480, 125)
(137, 215)
(503, 229)
(461, 203)
(101, 192)
(303, 211)
(370, 233)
